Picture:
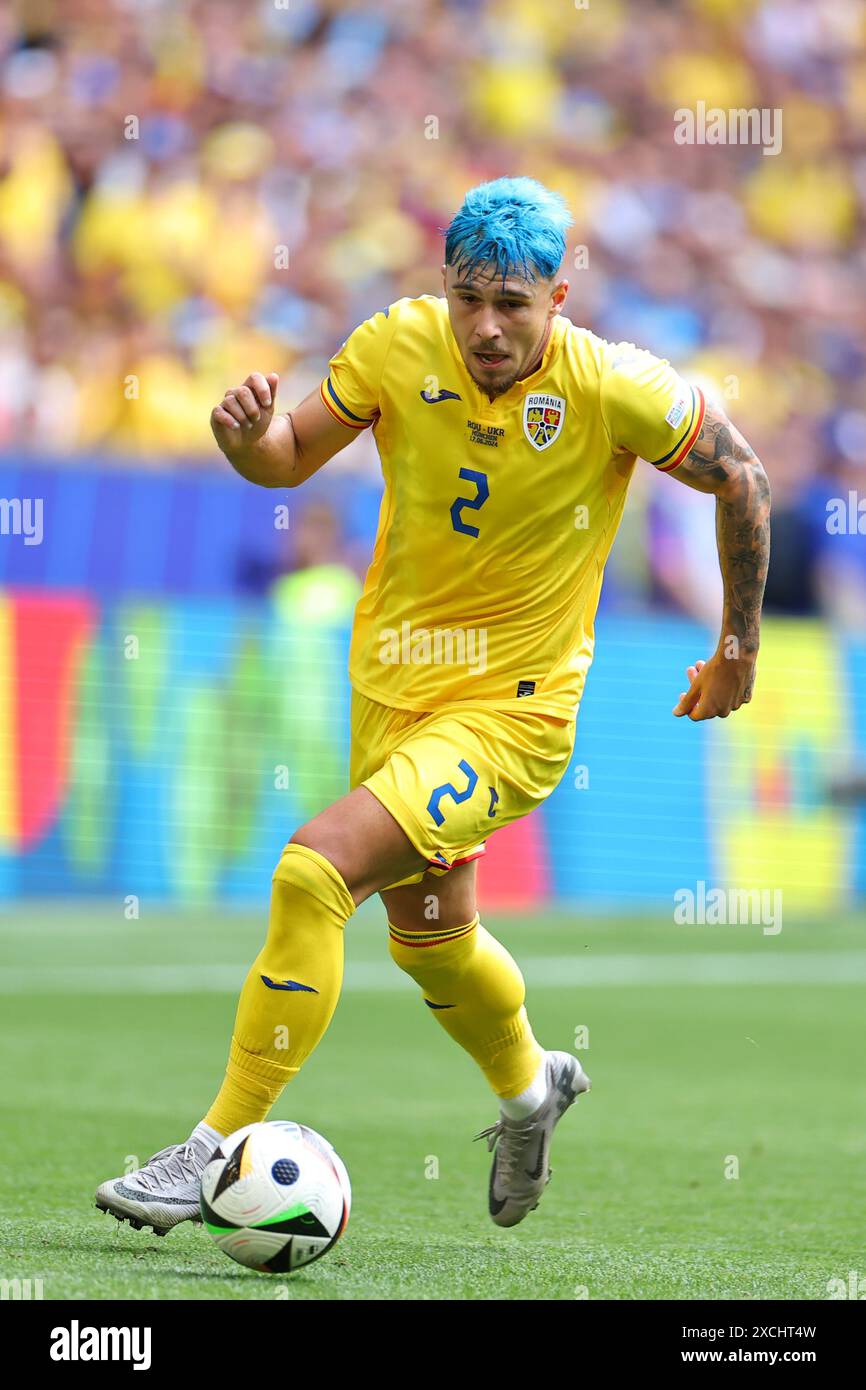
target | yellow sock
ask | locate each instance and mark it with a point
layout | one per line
(291, 991)
(476, 991)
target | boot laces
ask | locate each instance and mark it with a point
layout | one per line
(511, 1137)
(178, 1163)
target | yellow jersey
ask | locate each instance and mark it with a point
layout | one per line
(497, 516)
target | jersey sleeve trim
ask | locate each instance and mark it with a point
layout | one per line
(338, 410)
(675, 456)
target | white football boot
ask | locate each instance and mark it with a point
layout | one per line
(162, 1193)
(520, 1170)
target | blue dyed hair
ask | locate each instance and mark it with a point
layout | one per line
(516, 224)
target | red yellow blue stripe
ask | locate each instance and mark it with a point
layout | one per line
(441, 866)
(431, 938)
(338, 410)
(674, 458)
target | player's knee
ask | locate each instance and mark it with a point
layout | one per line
(348, 853)
(331, 844)
(345, 856)
(303, 875)
(302, 858)
(310, 837)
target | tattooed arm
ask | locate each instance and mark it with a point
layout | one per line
(722, 462)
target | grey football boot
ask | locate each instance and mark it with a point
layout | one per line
(520, 1170)
(161, 1194)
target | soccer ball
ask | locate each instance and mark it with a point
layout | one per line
(275, 1196)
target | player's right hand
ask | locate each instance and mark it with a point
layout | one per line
(245, 412)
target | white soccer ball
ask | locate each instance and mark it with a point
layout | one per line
(275, 1196)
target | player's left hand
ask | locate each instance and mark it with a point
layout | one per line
(717, 686)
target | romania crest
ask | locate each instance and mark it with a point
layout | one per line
(542, 418)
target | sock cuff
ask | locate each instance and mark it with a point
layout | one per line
(515, 1087)
(263, 1069)
(432, 936)
(314, 873)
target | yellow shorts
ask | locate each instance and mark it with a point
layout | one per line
(453, 775)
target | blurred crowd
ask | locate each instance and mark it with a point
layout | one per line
(193, 189)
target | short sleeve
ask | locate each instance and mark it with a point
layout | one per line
(648, 408)
(351, 389)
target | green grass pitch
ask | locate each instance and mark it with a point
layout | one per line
(711, 1050)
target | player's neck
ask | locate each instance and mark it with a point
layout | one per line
(536, 361)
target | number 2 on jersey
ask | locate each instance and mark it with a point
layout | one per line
(473, 503)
